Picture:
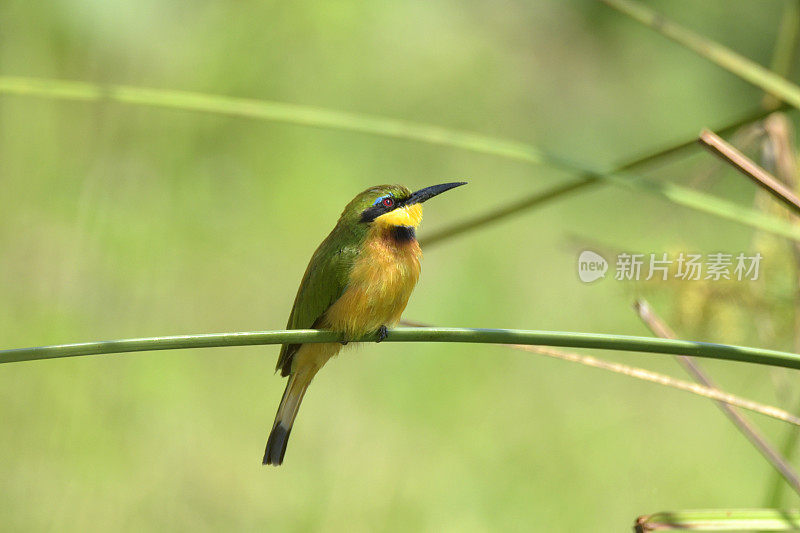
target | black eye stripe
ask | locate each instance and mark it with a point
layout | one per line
(373, 212)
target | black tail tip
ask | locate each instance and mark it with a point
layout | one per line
(276, 445)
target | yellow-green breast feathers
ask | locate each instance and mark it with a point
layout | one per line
(379, 285)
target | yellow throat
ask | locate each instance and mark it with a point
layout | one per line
(410, 215)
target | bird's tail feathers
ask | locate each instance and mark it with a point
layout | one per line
(287, 411)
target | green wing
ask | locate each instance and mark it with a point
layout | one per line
(324, 281)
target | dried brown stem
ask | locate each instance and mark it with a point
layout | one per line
(717, 146)
(752, 433)
(653, 377)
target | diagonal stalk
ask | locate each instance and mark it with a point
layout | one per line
(649, 376)
(539, 199)
(505, 211)
(785, 44)
(778, 157)
(717, 146)
(667, 381)
(722, 56)
(745, 427)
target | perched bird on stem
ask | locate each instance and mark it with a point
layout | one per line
(358, 282)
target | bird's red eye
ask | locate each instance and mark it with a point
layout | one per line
(388, 202)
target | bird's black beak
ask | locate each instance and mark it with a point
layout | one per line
(417, 197)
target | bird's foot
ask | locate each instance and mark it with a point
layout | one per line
(382, 333)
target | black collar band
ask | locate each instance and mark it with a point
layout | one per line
(402, 233)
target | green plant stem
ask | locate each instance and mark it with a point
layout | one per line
(537, 199)
(326, 118)
(720, 520)
(583, 183)
(283, 112)
(488, 336)
(710, 204)
(785, 43)
(720, 55)
(691, 142)
(683, 196)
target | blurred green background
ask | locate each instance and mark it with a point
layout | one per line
(123, 221)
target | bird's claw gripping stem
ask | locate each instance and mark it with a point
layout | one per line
(383, 332)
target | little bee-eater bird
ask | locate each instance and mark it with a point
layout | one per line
(357, 282)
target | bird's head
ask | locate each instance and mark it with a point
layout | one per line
(390, 206)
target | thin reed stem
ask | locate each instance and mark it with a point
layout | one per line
(599, 341)
(717, 146)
